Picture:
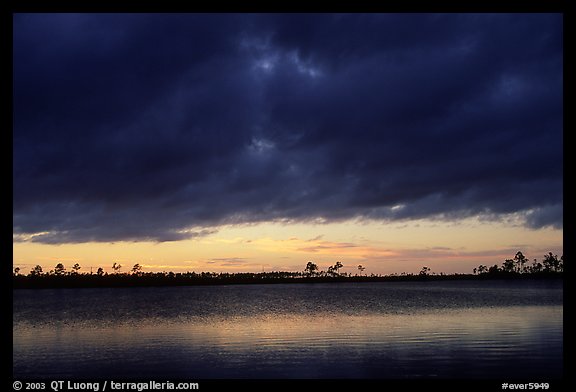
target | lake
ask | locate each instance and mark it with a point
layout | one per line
(385, 330)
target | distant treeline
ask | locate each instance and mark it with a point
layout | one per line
(59, 277)
(520, 265)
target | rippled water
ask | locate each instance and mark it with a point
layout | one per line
(458, 329)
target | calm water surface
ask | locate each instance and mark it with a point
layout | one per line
(457, 329)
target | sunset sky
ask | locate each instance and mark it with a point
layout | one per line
(258, 142)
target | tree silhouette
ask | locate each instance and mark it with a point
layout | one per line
(337, 267)
(509, 265)
(59, 270)
(311, 268)
(100, 271)
(76, 267)
(36, 271)
(520, 261)
(16, 271)
(137, 269)
(551, 262)
(361, 268)
(536, 267)
(494, 269)
(116, 267)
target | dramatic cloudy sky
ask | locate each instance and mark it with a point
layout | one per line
(150, 129)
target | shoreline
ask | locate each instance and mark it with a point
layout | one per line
(192, 279)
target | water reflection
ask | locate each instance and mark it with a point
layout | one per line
(260, 341)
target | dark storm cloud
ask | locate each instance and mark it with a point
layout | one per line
(164, 127)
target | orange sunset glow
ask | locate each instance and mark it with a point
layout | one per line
(381, 248)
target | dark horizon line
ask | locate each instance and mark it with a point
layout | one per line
(160, 279)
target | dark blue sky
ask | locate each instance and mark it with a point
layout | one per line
(165, 126)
